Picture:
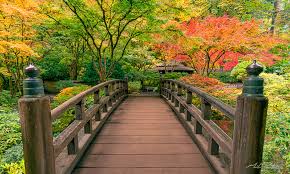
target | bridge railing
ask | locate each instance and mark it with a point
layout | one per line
(226, 155)
(44, 154)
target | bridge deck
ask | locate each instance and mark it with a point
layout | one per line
(143, 136)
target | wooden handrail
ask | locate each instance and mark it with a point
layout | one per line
(56, 112)
(48, 155)
(221, 106)
(226, 155)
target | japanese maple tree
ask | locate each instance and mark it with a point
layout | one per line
(215, 42)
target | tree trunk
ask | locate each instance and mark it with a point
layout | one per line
(275, 17)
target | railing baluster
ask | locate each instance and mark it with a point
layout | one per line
(105, 108)
(173, 91)
(189, 102)
(88, 127)
(197, 127)
(73, 146)
(106, 88)
(80, 110)
(96, 96)
(213, 147)
(205, 109)
(179, 90)
(98, 114)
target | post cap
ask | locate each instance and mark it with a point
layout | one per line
(254, 69)
(254, 85)
(31, 71)
(32, 86)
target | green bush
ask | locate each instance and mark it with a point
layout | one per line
(276, 150)
(51, 67)
(134, 87)
(60, 124)
(10, 131)
(224, 77)
(7, 102)
(91, 77)
(239, 71)
(281, 67)
(64, 84)
(13, 168)
(13, 154)
(174, 75)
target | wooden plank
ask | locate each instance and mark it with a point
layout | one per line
(143, 121)
(142, 126)
(138, 138)
(183, 160)
(142, 149)
(142, 171)
(180, 139)
(173, 132)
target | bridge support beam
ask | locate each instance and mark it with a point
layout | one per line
(250, 124)
(36, 125)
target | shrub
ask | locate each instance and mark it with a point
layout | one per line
(224, 77)
(239, 72)
(277, 89)
(64, 84)
(91, 77)
(13, 168)
(52, 68)
(60, 124)
(134, 87)
(174, 75)
(281, 67)
(13, 154)
(7, 102)
(202, 81)
(10, 131)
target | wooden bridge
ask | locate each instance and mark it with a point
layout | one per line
(121, 134)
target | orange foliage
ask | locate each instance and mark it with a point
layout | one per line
(219, 42)
(213, 87)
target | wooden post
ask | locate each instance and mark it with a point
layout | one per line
(107, 93)
(126, 86)
(172, 91)
(205, 109)
(189, 97)
(80, 110)
(189, 102)
(36, 126)
(179, 90)
(250, 122)
(96, 97)
(161, 84)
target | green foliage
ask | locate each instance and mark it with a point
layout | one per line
(277, 141)
(174, 75)
(7, 102)
(91, 76)
(51, 66)
(60, 124)
(280, 67)
(64, 84)
(13, 154)
(281, 50)
(134, 87)
(10, 132)
(13, 168)
(224, 77)
(239, 71)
